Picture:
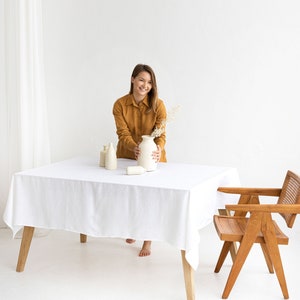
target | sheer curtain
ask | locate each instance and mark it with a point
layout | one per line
(24, 139)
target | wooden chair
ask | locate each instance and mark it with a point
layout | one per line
(252, 223)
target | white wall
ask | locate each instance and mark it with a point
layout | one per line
(232, 66)
(4, 182)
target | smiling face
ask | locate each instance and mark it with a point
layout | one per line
(142, 85)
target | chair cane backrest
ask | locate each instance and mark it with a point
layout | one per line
(290, 194)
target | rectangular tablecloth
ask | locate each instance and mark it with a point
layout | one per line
(169, 204)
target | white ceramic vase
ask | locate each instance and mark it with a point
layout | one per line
(145, 159)
(110, 158)
(102, 156)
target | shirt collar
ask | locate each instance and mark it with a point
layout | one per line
(131, 101)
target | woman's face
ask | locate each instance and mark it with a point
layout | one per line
(142, 84)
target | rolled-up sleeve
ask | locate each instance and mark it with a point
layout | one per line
(123, 131)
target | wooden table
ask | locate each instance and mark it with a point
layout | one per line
(170, 204)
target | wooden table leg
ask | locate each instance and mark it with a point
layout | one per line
(24, 248)
(188, 278)
(83, 238)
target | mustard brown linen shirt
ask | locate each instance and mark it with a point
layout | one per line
(133, 120)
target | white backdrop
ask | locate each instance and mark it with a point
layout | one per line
(232, 66)
(24, 141)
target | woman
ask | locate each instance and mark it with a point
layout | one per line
(139, 113)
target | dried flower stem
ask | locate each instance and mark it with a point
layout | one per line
(157, 132)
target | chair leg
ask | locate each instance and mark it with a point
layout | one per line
(233, 247)
(225, 249)
(83, 238)
(267, 258)
(273, 249)
(248, 240)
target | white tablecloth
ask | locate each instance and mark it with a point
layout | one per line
(170, 204)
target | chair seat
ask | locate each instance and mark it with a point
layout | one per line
(232, 228)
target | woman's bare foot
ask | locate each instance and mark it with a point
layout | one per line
(146, 249)
(130, 241)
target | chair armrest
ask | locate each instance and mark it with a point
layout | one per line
(271, 208)
(251, 191)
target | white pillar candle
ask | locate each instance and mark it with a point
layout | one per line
(135, 170)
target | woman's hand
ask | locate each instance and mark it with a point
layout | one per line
(156, 154)
(136, 151)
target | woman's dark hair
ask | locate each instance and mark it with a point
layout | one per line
(153, 94)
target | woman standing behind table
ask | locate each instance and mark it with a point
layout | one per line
(139, 113)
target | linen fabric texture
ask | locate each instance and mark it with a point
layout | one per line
(134, 120)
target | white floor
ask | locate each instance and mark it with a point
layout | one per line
(59, 267)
